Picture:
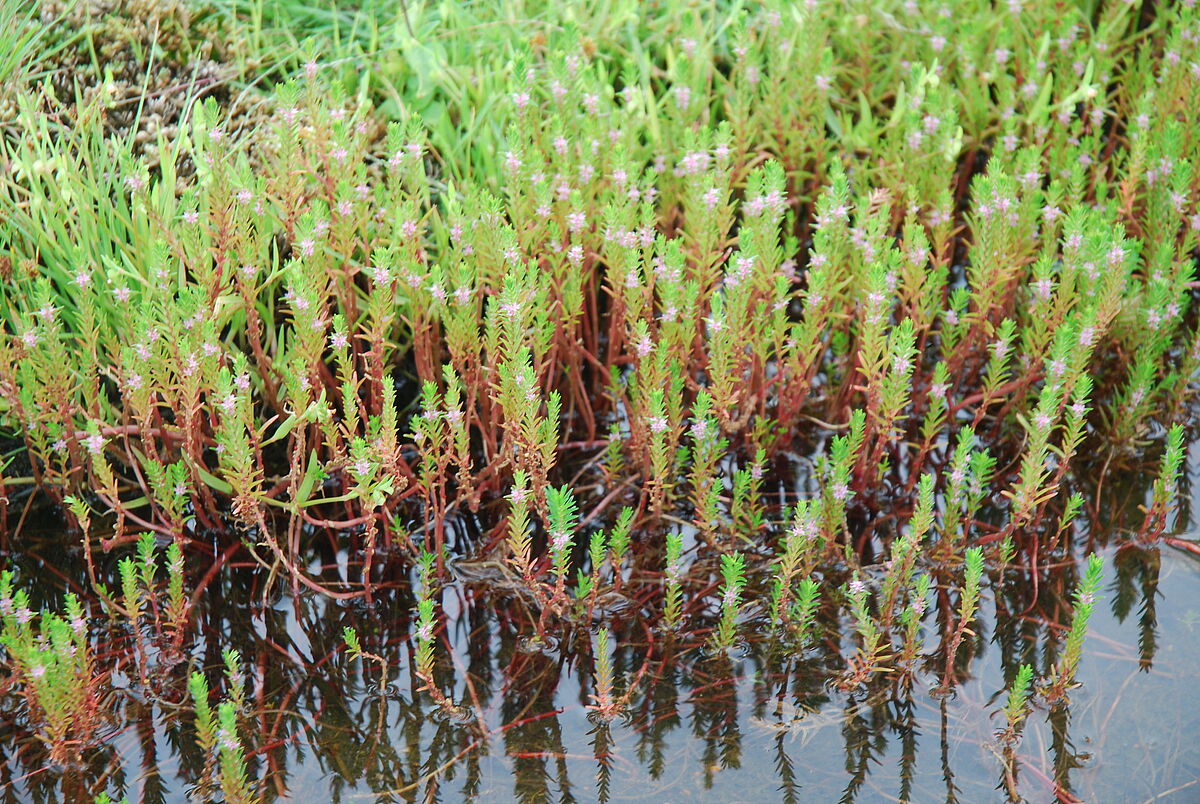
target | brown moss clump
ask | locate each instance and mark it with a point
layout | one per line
(143, 62)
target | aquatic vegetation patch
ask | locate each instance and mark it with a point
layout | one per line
(790, 332)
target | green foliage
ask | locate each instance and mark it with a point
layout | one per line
(733, 573)
(672, 267)
(1017, 702)
(1063, 675)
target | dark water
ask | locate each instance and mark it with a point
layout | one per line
(758, 725)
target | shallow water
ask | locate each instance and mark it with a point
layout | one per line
(749, 727)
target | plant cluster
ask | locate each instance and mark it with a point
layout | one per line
(752, 322)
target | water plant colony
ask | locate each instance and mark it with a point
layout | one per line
(787, 334)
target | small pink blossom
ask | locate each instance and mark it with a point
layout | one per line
(683, 97)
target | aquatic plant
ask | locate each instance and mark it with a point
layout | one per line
(1062, 676)
(867, 658)
(673, 574)
(968, 604)
(54, 669)
(355, 650)
(1016, 706)
(604, 702)
(1164, 494)
(843, 305)
(217, 736)
(733, 571)
(232, 760)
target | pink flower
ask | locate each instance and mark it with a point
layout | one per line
(424, 632)
(729, 599)
(683, 97)
(560, 540)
